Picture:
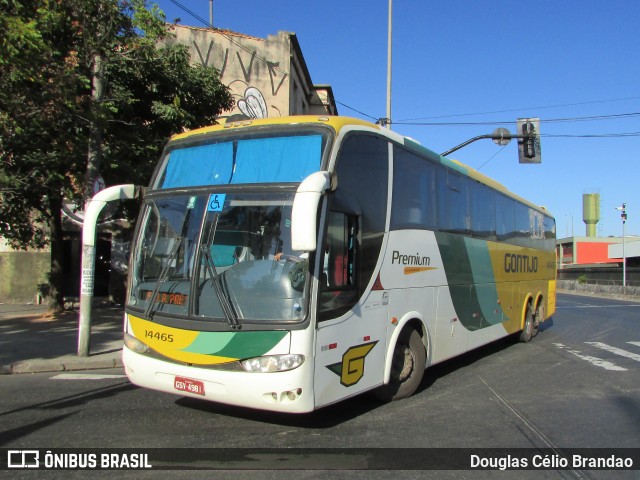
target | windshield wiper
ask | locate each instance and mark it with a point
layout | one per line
(227, 308)
(164, 275)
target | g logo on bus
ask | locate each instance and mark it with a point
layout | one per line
(351, 369)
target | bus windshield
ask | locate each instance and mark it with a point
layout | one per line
(219, 257)
(266, 158)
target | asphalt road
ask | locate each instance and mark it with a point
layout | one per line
(576, 385)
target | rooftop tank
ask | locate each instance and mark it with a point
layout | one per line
(591, 212)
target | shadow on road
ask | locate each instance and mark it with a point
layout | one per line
(329, 417)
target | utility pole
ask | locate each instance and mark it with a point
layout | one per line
(388, 119)
(386, 122)
(623, 216)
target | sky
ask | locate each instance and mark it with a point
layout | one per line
(462, 68)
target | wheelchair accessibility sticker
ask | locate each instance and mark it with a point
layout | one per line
(216, 202)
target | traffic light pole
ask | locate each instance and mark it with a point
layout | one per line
(492, 136)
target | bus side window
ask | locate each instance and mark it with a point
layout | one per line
(339, 290)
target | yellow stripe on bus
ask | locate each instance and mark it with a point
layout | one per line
(171, 342)
(410, 270)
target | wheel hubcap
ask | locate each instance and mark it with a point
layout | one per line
(407, 364)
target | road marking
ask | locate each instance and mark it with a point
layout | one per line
(615, 350)
(85, 376)
(637, 344)
(598, 362)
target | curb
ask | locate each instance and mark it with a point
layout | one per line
(585, 293)
(72, 364)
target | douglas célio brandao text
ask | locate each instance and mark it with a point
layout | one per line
(550, 461)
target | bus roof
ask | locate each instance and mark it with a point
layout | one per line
(340, 122)
(336, 122)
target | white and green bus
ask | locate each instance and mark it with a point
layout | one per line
(287, 264)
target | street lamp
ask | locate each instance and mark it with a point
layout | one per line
(386, 122)
(569, 215)
(623, 216)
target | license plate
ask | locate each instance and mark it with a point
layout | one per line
(188, 385)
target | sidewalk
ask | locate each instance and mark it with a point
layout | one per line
(31, 340)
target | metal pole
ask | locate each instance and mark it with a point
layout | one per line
(571, 226)
(624, 259)
(92, 212)
(623, 216)
(389, 69)
(211, 13)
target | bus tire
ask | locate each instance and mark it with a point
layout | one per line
(407, 367)
(537, 319)
(527, 332)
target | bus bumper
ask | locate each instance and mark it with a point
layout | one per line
(290, 391)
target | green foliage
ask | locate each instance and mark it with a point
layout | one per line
(582, 279)
(49, 110)
(87, 86)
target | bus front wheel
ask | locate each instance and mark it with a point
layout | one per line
(407, 367)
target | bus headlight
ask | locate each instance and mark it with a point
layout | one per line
(272, 363)
(135, 345)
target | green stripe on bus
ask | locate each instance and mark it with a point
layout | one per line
(235, 345)
(471, 280)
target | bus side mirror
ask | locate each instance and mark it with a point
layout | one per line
(304, 214)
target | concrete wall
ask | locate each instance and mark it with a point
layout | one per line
(603, 274)
(267, 77)
(21, 273)
(593, 252)
(618, 291)
(256, 70)
(585, 250)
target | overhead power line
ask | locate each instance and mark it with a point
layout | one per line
(415, 122)
(593, 135)
(617, 116)
(358, 111)
(521, 109)
(230, 38)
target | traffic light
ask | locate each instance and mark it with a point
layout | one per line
(623, 213)
(529, 142)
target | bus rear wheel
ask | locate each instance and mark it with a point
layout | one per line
(407, 368)
(538, 318)
(527, 331)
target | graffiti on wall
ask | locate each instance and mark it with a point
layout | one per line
(253, 104)
(250, 100)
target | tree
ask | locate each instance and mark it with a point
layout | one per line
(87, 87)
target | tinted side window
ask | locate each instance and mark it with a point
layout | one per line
(549, 233)
(338, 283)
(363, 174)
(362, 171)
(483, 211)
(524, 226)
(414, 192)
(505, 218)
(453, 202)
